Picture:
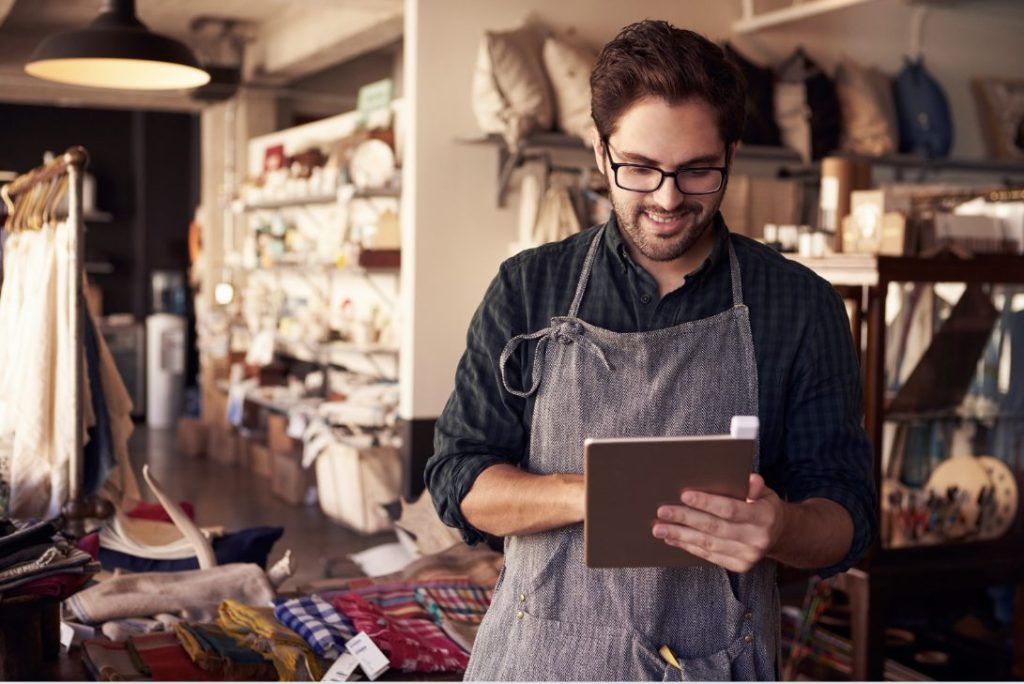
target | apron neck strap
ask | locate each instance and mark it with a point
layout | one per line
(588, 264)
(734, 271)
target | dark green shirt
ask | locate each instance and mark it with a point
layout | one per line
(812, 441)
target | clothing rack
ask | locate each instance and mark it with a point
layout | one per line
(32, 201)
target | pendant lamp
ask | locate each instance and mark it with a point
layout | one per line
(117, 51)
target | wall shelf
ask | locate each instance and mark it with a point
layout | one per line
(313, 200)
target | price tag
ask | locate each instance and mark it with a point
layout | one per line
(371, 659)
(342, 669)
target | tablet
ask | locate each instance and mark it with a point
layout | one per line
(627, 479)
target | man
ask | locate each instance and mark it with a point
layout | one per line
(658, 323)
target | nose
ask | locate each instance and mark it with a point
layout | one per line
(667, 197)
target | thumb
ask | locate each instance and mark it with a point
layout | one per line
(757, 489)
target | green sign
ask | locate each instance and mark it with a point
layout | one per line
(374, 97)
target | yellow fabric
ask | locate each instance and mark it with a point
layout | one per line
(258, 629)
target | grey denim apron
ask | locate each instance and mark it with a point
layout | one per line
(553, 618)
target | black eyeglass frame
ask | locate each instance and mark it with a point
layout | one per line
(723, 170)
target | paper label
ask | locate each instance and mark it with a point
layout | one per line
(371, 659)
(342, 669)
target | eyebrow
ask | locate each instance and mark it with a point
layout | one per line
(633, 158)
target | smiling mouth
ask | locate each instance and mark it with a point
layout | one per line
(666, 223)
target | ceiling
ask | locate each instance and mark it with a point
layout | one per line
(286, 40)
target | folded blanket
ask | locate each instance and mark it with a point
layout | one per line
(109, 661)
(260, 630)
(315, 620)
(402, 628)
(192, 594)
(161, 657)
(26, 535)
(215, 651)
(457, 602)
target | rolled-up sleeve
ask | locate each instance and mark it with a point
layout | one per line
(482, 424)
(828, 454)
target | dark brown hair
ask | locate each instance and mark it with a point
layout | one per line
(654, 58)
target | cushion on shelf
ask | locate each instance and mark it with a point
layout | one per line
(511, 93)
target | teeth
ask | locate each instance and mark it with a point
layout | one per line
(663, 219)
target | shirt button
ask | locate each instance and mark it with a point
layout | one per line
(645, 299)
(748, 616)
(520, 615)
(748, 638)
(522, 598)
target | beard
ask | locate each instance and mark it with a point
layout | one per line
(630, 217)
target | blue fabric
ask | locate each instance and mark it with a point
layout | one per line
(324, 628)
(252, 545)
(99, 457)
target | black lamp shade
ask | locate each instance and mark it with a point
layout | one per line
(117, 51)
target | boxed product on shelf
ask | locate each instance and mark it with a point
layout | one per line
(191, 437)
(278, 439)
(222, 445)
(355, 482)
(261, 460)
(290, 482)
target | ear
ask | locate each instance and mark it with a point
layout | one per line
(599, 154)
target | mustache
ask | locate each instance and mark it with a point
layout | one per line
(681, 210)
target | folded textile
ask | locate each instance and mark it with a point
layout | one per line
(109, 661)
(122, 630)
(217, 652)
(147, 538)
(315, 620)
(152, 510)
(161, 657)
(26, 535)
(458, 602)
(259, 629)
(192, 594)
(412, 642)
(60, 585)
(462, 633)
(72, 568)
(58, 555)
(25, 555)
(251, 545)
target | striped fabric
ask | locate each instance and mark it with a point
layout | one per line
(315, 620)
(463, 603)
(402, 628)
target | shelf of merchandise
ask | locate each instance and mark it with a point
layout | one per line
(538, 147)
(316, 199)
(889, 573)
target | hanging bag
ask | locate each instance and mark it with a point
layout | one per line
(926, 126)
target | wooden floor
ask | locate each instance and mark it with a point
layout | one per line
(236, 498)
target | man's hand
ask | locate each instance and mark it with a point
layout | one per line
(725, 531)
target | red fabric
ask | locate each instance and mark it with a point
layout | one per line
(90, 543)
(403, 630)
(167, 660)
(57, 586)
(152, 510)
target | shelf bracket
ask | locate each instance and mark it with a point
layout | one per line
(508, 162)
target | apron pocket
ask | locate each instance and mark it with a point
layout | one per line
(730, 664)
(551, 650)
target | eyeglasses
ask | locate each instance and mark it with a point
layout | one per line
(694, 180)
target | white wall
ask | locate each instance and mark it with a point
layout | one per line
(454, 236)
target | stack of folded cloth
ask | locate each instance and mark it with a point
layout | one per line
(35, 560)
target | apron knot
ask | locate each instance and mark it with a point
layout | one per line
(569, 330)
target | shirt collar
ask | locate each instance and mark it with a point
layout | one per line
(614, 243)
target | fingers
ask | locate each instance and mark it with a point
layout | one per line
(729, 554)
(724, 507)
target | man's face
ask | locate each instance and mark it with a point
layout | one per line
(664, 224)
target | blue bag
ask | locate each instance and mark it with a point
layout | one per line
(926, 126)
